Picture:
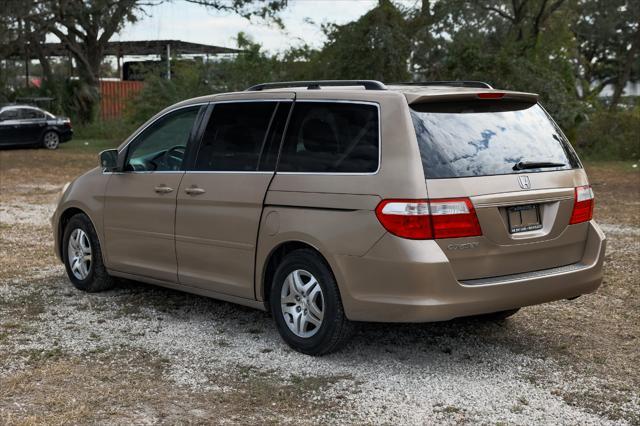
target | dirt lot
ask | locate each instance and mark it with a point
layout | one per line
(141, 354)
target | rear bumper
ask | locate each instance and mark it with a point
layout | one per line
(402, 280)
(66, 135)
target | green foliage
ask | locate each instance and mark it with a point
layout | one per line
(111, 131)
(192, 79)
(606, 34)
(80, 100)
(519, 45)
(564, 50)
(256, 66)
(506, 68)
(376, 46)
(188, 81)
(610, 135)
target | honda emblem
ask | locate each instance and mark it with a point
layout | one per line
(524, 182)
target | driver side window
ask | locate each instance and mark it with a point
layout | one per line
(161, 146)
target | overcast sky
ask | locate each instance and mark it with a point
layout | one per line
(183, 21)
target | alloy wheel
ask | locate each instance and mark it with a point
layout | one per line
(51, 140)
(79, 254)
(302, 303)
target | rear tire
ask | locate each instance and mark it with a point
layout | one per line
(83, 257)
(497, 316)
(51, 140)
(306, 305)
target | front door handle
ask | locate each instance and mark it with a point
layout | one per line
(194, 190)
(163, 189)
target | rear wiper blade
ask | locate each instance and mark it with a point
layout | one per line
(524, 165)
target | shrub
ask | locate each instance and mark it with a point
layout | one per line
(610, 135)
(114, 130)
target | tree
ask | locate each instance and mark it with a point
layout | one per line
(376, 46)
(85, 27)
(607, 37)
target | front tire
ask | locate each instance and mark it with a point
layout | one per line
(51, 140)
(306, 305)
(83, 257)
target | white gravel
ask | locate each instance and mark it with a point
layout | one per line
(439, 373)
(620, 230)
(395, 374)
(26, 214)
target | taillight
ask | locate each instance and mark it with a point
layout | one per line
(454, 218)
(426, 219)
(582, 205)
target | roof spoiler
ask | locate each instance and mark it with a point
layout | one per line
(316, 84)
(450, 83)
(417, 98)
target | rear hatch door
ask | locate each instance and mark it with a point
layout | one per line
(518, 169)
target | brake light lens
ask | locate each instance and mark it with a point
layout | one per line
(454, 218)
(429, 219)
(490, 95)
(584, 201)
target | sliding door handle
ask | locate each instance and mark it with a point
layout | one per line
(194, 190)
(163, 189)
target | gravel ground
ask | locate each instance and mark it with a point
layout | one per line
(146, 355)
(389, 374)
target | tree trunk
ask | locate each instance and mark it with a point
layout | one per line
(88, 95)
(623, 78)
(45, 64)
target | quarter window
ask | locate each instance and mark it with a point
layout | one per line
(10, 114)
(331, 137)
(234, 136)
(161, 147)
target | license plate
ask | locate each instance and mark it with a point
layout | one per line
(524, 218)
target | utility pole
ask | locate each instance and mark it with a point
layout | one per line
(168, 61)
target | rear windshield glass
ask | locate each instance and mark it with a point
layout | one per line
(482, 138)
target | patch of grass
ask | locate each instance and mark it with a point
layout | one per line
(88, 146)
(113, 131)
(449, 410)
(316, 383)
(35, 356)
(25, 308)
(222, 343)
(517, 409)
(606, 401)
(277, 397)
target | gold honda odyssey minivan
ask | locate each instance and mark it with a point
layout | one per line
(332, 202)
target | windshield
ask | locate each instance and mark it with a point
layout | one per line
(482, 138)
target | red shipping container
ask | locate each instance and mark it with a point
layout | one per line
(114, 95)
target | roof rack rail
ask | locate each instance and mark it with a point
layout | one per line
(315, 84)
(453, 83)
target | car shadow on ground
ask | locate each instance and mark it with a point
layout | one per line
(448, 337)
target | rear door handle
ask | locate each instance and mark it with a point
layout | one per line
(163, 189)
(194, 190)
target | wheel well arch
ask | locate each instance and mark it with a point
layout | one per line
(273, 260)
(49, 129)
(65, 217)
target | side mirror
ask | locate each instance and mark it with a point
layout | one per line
(109, 160)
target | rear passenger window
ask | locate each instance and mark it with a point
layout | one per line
(234, 136)
(28, 113)
(331, 137)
